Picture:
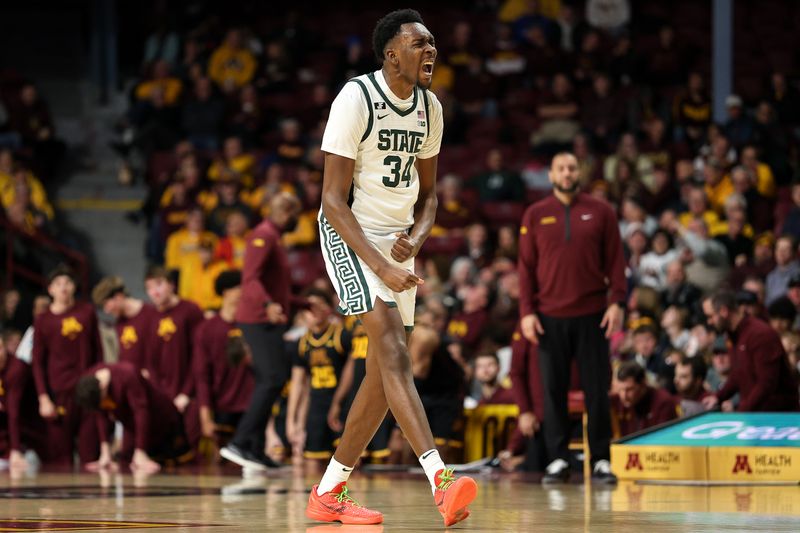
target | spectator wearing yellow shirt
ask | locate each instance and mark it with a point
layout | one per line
(718, 185)
(198, 274)
(231, 66)
(259, 198)
(169, 86)
(22, 181)
(697, 202)
(183, 245)
(305, 233)
(231, 248)
(765, 181)
(235, 162)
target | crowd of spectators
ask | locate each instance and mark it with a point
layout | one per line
(224, 118)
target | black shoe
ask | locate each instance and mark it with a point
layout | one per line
(602, 474)
(556, 472)
(246, 458)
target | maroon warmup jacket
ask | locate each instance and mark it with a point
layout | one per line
(170, 364)
(220, 386)
(570, 257)
(64, 347)
(265, 276)
(137, 336)
(138, 405)
(656, 407)
(760, 370)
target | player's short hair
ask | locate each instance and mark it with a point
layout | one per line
(562, 154)
(160, 272)
(631, 370)
(325, 296)
(648, 328)
(697, 364)
(227, 280)
(723, 298)
(61, 270)
(87, 392)
(107, 288)
(389, 26)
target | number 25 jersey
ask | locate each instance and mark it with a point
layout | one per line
(385, 135)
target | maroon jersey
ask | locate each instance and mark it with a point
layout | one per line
(501, 395)
(760, 370)
(265, 275)
(468, 327)
(65, 345)
(570, 258)
(137, 336)
(138, 405)
(526, 381)
(656, 407)
(14, 379)
(170, 364)
(220, 386)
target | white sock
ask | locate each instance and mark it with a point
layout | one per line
(334, 474)
(431, 463)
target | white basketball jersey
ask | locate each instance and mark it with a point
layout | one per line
(385, 178)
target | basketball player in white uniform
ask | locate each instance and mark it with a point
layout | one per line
(378, 207)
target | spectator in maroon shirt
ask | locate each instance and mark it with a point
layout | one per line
(170, 361)
(66, 342)
(487, 367)
(262, 314)
(222, 373)
(690, 378)
(570, 262)
(637, 405)
(135, 320)
(151, 423)
(760, 370)
(467, 327)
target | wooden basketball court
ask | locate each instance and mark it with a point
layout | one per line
(209, 501)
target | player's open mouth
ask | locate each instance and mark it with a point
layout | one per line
(427, 67)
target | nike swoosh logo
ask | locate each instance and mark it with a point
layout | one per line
(347, 469)
(586, 217)
(427, 454)
(383, 116)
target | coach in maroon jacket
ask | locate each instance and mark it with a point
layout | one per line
(760, 371)
(571, 266)
(262, 316)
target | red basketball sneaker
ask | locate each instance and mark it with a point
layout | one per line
(453, 495)
(338, 506)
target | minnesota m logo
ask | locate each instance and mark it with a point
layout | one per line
(634, 462)
(742, 464)
(70, 327)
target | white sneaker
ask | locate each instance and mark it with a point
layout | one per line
(556, 472)
(602, 473)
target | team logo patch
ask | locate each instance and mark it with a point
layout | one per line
(634, 462)
(420, 114)
(547, 220)
(742, 464)
(380, 105)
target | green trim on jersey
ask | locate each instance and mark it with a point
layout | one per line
(369, 108)
(405, 113)
(427, 113)
(353, 289)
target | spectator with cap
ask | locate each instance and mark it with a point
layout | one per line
(739, 127)
(786, 265)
